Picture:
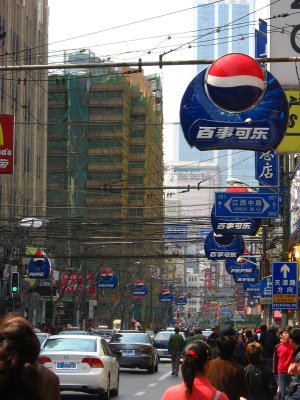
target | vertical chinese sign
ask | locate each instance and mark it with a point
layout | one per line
(6, 144)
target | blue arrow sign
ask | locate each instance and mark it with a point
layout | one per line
(254, 205)
(285, 286)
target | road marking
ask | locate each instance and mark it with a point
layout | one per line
(164, 376)
(140, 393)
(152, 384)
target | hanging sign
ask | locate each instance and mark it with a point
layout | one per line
(181, 300)
(234, 225)
(106, 279)
(165, 296)
(223, 247)
(39, 266)
(234, 104)
(140, 289)
(248, 267)
(6, 144)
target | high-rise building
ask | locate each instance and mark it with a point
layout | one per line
(104, 157)
(23, 94)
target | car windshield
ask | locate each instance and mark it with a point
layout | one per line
(163, 335)
(70, 344)
(130, 338)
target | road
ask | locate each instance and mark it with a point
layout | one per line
(135, 384)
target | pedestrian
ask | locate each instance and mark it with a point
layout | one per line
(199, 335)
(282, 359)
(212, 341)
(189, 338)
(21, 375)
(195, 366)
(175, 347)
(269, 340)
(240, 350)
(250, 338)
(260, 379)
(293, 390)
(225, 373)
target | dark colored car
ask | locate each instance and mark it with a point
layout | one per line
(107, 334)
(161, 342)
(134, 349)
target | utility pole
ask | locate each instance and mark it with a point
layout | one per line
(285, 220)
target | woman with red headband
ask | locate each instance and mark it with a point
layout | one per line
(194, 369)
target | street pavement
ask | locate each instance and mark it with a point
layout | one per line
(135, 384)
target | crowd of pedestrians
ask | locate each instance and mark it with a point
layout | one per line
(260, 364)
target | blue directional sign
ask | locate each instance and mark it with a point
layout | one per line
(267, 168)
(265, 287)
(253, 205)
(285, 286)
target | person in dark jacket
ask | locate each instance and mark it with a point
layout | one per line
(294, 368)
(175, 347)
(268, 339)
(225, 373)
(260, 379)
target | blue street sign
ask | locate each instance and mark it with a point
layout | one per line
(265, 287)
(253, 205)
(285, 286)
(267, 168)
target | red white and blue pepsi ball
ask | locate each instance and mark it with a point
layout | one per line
(235, 82)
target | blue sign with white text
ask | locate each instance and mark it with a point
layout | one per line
(234, 103)
(254, 205)
(285, 286)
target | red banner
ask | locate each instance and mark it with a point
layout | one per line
(6, 144)
(76, 282)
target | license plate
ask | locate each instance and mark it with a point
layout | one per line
(66, 365)
(128, 352)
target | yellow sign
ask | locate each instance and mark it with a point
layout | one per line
(284, 298)
(291, 141)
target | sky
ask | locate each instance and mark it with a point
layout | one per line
(126, 31)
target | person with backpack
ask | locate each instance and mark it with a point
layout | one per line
(260, 379)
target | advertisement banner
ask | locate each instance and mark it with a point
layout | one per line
(6, 144)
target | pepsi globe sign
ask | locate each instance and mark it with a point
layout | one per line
(234, 104)
(235, 82)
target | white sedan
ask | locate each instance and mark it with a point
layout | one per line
(83, 363)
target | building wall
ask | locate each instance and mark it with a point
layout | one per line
(105, 154)
(24, 40)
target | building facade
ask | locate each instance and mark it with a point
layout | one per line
(105, 155)
(23, 95)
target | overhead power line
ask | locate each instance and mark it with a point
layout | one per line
(140, 64)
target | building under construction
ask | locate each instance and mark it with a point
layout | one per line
(104, 155)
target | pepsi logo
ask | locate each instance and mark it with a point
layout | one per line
(235, 82)
(106, 274)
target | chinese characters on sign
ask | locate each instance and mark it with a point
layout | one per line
(241, 133)
(285, 286)
(256, 205)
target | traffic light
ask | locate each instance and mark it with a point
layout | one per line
(189, 314)
(15, 283)
(178, 314)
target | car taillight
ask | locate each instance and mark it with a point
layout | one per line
(44, 360)
(93, 362)
(143, 349)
